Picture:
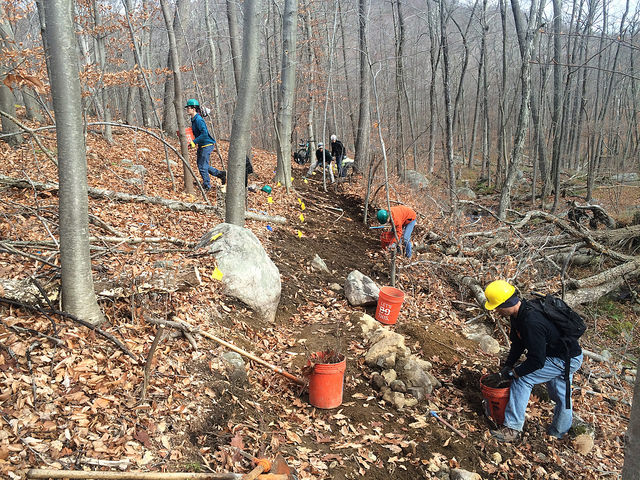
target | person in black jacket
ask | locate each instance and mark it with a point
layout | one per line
(322, 157)
(532, 331)
(338, 152)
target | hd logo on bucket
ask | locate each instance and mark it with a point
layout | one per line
(385, 310)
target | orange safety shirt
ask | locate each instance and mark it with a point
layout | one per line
(401, 216)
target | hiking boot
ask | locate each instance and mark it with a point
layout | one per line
(223, 177)
(554, 433)
(505, 434)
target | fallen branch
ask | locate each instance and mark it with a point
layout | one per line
(147, 364)
(84, 323)
(128, 198)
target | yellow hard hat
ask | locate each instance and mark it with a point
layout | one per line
(498, 292)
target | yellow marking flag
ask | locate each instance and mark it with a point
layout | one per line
(269, 199)
(216, 236)
(217, 274)
(299, 234)
(301, 217)
(302, 206)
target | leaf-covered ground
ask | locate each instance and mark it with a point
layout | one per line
(73, 403)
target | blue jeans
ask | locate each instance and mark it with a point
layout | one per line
(552, 373)
(406, 235)
(339, 159)
(203, 165)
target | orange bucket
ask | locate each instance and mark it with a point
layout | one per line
(389, 304)
(495, 400)
(188, 133)
(387, 238)
(326, 382)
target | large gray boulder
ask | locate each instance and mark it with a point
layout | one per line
(416, 180)
(248, 273)
(360, 290)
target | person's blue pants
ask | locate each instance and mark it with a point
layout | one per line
(203, 165)
(552, 373)
(406, 236)
(339, 159)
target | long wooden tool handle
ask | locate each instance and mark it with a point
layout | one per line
(36, 473)
(444, 422)
(230, 346)
(253, 474)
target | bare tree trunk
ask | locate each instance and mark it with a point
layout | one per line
(78, 295)
(481, 67)
(346, 74)
(287, 91)
(7, 99)
(177, 95)
(631, 467)
(361, 159)
(447, 104)
(241, 128)
(310, 84)
(214, 65)
(434, 57)
(234, 39)
(101, 61)
(526, 35)
(556, 128)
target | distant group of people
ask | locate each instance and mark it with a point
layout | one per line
(323, 157)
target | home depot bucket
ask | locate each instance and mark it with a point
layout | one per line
(495, 401)
(188, 133)
(389, 304)
(327, 379)
(387, 238)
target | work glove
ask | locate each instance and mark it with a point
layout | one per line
(192, 145)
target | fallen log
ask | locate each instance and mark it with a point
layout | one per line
(129, 198)
(607, 276)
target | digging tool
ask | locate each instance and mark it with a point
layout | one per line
(250, 356)
(263, 465)
(444, 422)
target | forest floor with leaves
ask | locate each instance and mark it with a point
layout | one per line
(73, 400)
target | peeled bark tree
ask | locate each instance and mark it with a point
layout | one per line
(287, 91)
(361, 158)
(78, 295)
(241, 127)
(177, 96)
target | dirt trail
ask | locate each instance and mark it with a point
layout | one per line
(363, 436)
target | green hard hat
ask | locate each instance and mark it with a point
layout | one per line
(266, 189)
(383, 216)
(192, 102)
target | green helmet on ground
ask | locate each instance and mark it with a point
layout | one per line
(383, 216)
(192, 102)
(266, 189)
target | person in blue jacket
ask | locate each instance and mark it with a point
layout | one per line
(205, 144)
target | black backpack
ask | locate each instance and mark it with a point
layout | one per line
(568, 322)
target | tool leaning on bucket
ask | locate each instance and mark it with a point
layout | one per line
(444, 422)
(242, 352)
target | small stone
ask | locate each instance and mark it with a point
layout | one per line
(395, 398)
(378, 381)
(318, 264)
(496, 457)
(398, 386)
(410, 401)
(460, 474)
(335, 287)
(389, 375)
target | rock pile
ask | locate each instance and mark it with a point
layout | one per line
(402, 378)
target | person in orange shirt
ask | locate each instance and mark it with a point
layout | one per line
(404, 218)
